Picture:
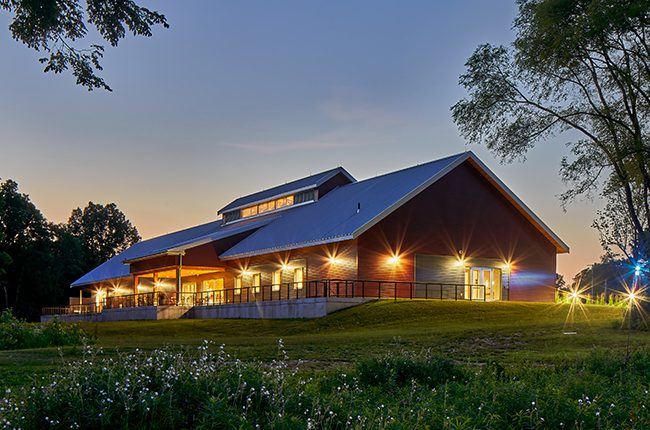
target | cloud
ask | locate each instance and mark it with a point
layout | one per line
(338, 139)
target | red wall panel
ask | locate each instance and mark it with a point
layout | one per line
(461, 212)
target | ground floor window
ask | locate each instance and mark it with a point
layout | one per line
(276, 280)
(298, 278)
(212, 291)
(237, 285)
(257, 282)
(188, 292)
(213, 284)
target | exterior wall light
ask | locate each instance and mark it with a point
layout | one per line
(334, 260)
(245, 272)
(460, 263)
(285, 266)
(393, 259)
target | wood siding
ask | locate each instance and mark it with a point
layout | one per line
(461, 212)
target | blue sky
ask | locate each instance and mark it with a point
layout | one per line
(239, 96)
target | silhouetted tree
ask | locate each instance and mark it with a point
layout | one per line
(103, 230)
(26, 239)
(39, 260)
(576, 65)
(53, 26)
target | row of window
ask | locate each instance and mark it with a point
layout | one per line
(256, 282)
(271, 205)
(267, 206)
(276, 281)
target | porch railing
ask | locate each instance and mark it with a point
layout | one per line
(339, 288)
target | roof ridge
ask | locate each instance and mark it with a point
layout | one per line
(458, 155)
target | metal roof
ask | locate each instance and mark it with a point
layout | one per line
(306, 183)
(175, 242)
(335, 217)
(343, 213)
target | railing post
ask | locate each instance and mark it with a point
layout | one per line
(395, 290)
(411, 289)
(363, 289)
(456, 292)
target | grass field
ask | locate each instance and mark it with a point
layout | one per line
(467, 332)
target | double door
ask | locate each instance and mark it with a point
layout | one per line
(483, 283)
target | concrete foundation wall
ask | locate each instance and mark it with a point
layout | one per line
(125, 314)
(301, 308)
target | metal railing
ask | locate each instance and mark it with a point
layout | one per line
(91, 308)
(339, 288)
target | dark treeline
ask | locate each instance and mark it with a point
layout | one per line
(39, 259)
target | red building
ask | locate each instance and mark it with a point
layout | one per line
(448, 229)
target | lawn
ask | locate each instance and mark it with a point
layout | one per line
(473, 333)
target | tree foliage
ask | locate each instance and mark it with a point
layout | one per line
(103, 230)
(576, 66)
(53, 26)
(39, 259)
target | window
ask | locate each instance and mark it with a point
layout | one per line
(213, 284)
(276, 280)
(298, 278)
(188, 294)
(257, 281)
(237, 285)
(266, 206)
(305, 196)
(231, 216)
(285, 201)
(270, 205)
(250, 211)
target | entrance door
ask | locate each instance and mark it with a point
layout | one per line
(485, 284)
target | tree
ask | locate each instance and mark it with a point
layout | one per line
(52, 26)
(579, 66)
(103, 230)
(25, 237)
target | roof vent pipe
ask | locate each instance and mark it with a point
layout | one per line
(358, 207)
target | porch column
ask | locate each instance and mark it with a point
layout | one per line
(135, 284)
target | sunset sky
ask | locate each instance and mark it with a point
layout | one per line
(240, 96)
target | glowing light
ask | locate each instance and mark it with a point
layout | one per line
(460, 263)
(334, 260)
(285, 266)
(575, 298)
(507, 266)
(637, 270)
(393, 259)
(245, 272)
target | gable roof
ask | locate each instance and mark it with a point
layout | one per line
(332, 218)
(335, 218)
(306, 183)
(175, 242)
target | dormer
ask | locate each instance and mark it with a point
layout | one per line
(299, 192)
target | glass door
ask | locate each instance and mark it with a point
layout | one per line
(483, 283)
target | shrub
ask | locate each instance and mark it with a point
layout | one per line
(401, 370)
(17, 334)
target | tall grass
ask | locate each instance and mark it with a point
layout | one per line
(206, 388)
